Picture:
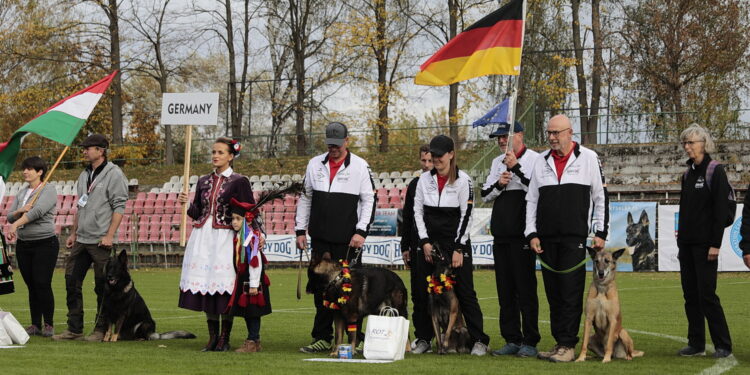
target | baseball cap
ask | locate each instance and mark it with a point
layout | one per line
(95, 140)
(505, 127)
(441, 144)
(336, 133)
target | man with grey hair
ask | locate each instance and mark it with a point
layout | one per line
(102, 193)
(566, 201)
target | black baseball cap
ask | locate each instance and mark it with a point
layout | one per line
(504, 128)
(440, 145)
(336, 133)
(97, 140)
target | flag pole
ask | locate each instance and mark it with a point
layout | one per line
(186, 184)
(516, 83)
(49, 174)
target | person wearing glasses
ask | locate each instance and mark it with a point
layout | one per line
(703, 209)
(566, 201)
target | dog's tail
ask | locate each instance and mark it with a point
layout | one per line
(171, 335)
(638, 353)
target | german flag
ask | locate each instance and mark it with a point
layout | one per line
(490, 46)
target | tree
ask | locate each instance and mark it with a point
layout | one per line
(589, 113)
(684, 54)
(111, 10)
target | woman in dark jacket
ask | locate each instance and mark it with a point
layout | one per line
(703, 213)
(208, 274)
(37, 245)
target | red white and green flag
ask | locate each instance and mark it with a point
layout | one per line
(60, 123)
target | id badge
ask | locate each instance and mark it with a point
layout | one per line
(83, 200)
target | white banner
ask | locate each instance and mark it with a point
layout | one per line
(730, 255)
(199, 108)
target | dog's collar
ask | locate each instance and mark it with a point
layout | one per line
(128, 287)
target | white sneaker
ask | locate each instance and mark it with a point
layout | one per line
(421, 346)
(480, 349)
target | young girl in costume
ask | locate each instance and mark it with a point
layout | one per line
(251, 298)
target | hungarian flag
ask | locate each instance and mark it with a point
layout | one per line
(60, 123)
(490, 46)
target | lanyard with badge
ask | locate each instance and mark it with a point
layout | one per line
(85, 197)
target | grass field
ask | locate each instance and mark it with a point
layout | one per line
(652, 306)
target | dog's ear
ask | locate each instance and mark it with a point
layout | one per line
(123, 257)
(630, 218)
(591, 251)
(644, 218)
(617, 254)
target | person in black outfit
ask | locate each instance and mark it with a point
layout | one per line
(414, 259)
(703, 213)
(745, 229)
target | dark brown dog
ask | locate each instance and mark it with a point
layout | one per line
(448, 323)
(372, 290)
(603, 312)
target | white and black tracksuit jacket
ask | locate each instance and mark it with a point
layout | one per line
(509, 207)
(572, 207)
(446, 216)
(335, 211)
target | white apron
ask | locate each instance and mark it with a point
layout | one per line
(207, 267)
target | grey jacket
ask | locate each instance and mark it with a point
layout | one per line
(108, 195)
(41, 217)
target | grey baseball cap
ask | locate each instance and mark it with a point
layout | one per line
(336, 133)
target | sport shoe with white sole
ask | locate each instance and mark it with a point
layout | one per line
(507, 349)
(480, 349)
(317, 346)
(564, 354)
(421, 346)
(690, 351)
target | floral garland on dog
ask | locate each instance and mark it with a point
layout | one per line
(436, 286)
(346, 288)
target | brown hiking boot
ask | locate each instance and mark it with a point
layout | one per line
(67, 335)
(550, 353)
(564, 354)
(249, 346)
(96, 336)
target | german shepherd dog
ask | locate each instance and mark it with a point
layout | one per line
(124, 310)
(603, 312)
(448, 323)
(372, 290)
(644, 256)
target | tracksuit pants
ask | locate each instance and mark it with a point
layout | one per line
(564, 291)
(515, 279)
(77, 265)
(418, 271)
(37, 260)
(698, 277)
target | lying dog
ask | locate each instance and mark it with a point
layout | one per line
(370, 290)
(448, 323)
(603, 313)
(124, 310)
(644, 255)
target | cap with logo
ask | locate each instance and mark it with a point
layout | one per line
(505, 127)
(336, 133)
(441, 144)
(97, 140)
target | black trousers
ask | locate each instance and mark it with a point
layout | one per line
(467, 296)
(698, 277)
(564, 291)
(515, 279)
(323, 323)
(77, 265)
(37, 260)
(420, 317)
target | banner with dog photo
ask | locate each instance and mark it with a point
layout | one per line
(730, 255)
(632, 225)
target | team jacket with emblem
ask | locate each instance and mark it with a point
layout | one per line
(509, 207)
(334, 212)
(444, 216)
(564, 209)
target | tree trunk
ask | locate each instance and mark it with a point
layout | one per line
(169, 148)
(596, 74)
(580, 72)
(233, 115)
(384, 89)
(453, 91)
(299, 105)
(114, 40)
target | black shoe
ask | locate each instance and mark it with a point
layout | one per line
(722, 353)
(213, 335)
(226, 329)
(690, 351)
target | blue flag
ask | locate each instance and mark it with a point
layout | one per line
(497, 115)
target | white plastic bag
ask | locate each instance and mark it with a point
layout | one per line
(4, 338)
(386, 336)
(13, 328)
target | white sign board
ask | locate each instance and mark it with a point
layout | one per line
(200, 108)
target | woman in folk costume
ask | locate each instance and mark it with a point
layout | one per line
(251, 298)
(208, 275)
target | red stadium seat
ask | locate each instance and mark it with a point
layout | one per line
(129, 206)
(171, 206)
(151, 196)
(394, 192)
(148, 206)
(141, 196)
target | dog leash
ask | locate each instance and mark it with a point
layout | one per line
(569, 270)
(354, 260)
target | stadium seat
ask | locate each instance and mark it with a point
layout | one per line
(148, 206)
(174, 179)
(297, 177)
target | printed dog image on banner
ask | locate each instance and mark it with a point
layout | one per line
(635, 235)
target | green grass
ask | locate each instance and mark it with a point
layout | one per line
(650, 302)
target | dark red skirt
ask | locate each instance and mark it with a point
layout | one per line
(208, 303)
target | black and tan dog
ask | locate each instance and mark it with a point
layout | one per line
(372, 289)
(603, 312)
(451, 333)
(645, 256)
(124, 310)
